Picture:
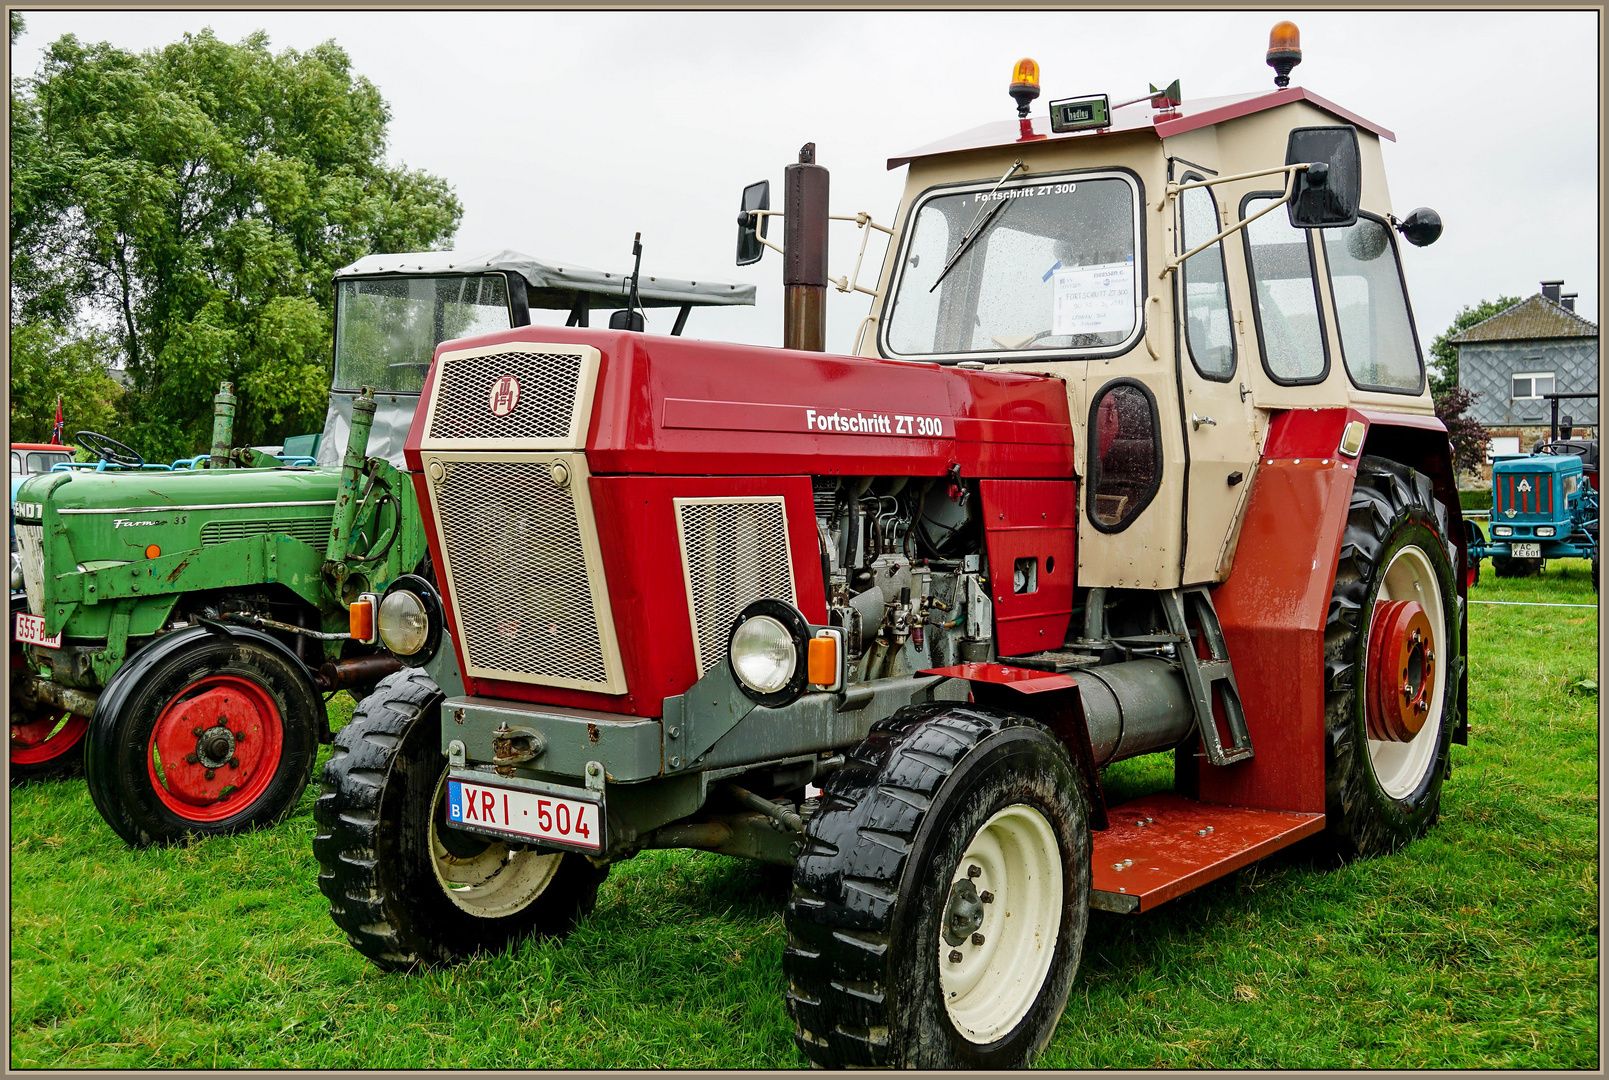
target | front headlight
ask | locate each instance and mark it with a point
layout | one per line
(1546, 530)
(763, 655)
(767, 652)
(409, 620)
(1502, 530)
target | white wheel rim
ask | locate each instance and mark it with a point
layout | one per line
(1400, 767)
(992, 987)
(494, 883)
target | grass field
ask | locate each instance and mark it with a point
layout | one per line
(1476, 947)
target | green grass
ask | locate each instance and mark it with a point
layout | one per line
(1475, 947)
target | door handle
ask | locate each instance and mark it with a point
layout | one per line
(1196, 420)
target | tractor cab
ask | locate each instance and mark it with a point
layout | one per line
(1191, 268)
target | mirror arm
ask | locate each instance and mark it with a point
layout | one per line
(757, 236)
(1174, 262)
(851, 283)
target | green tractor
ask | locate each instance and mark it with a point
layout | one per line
(181, 627)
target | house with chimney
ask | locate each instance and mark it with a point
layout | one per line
(1510, 361)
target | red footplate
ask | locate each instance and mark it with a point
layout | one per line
(1161, 846)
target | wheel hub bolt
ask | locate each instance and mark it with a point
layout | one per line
(977, 939)
(210, 774)
(191, 758)
(955, 956)
(196, 732)
(987, 898)
(234, 763)
(974, 871)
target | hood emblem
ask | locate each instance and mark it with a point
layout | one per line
(505, 396)
(1525, 485)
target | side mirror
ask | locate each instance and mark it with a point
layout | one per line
(1325, 196)
(1421, 228)
(751, 226)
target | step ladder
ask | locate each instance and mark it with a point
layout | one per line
(1202, 675)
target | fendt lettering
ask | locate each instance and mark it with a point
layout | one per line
(1134, 455)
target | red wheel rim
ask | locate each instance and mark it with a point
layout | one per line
(43, 740)
(215, 748)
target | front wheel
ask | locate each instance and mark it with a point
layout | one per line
(212, 736)
(406, 887)
(1394, 661)
(939, 907)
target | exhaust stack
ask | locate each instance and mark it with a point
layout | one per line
(804, 253)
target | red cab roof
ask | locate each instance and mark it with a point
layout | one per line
(1139, 117)
(42, 446)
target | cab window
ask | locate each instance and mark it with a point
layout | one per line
(1045, 264)
(1285, 303)
(1208, 334)
(16, 463)
(42, 462)
(1125, 454)
(1378, 342)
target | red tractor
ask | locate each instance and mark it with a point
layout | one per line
(1137, 457)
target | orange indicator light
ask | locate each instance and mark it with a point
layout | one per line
(152, 551)
(360, 619)
(1284, 51)
(823, 661)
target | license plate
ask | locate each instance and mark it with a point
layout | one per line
(553, 819)
(31, 631)
(1526, 551)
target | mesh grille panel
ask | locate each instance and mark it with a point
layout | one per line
(548, 384)
(737, 553)
(31, 538)
(519, 572)
(314, 531)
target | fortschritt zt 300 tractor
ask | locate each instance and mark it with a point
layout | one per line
(200, 615)
(1137, 458)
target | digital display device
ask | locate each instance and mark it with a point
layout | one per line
(1075, 114)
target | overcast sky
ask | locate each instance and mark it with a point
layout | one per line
(563, 133)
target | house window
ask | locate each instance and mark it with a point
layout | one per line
(1531, 385)
(1499, 445)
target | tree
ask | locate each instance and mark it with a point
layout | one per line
(47, 362)
(1467, 434)
(193, 202)
(1444, 355)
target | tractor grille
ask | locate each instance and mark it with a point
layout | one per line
(545, 408)
(31, 539)
(734, 552)
(516, 547)
(313, 531)
(1524, 493)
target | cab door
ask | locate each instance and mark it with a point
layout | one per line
(1223, 428)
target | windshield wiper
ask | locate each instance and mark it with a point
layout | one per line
(975, 229)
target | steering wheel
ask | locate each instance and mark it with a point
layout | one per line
(109, 449)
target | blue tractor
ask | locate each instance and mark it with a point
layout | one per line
(1542, 508)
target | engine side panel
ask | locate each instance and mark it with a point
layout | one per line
(1029, 526)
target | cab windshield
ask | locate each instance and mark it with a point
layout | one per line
(386, 330)
(1048, 266)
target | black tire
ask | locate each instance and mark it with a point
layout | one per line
(1472, 536)
(377, 864)
(1392, 510)
(869, 898)
(1506, 566)
(149, 697)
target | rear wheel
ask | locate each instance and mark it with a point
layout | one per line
(406, 887)
(940, 904)
(46, 744)
(1394, 661)
(216, 738)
